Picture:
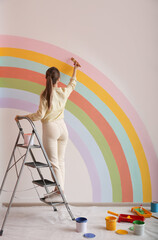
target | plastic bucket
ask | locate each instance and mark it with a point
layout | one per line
(111, 223)
(139, 227)
(81, 224)
(27, 137)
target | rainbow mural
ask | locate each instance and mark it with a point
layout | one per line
(102, 124)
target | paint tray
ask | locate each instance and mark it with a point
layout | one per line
(129, 218)
(144, 213)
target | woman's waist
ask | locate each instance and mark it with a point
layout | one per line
(57, 120)
(52, 117)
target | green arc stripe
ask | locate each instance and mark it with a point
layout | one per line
(21, 84)
(87, 122)
(104, 147)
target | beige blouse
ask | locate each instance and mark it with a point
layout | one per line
(59, 99)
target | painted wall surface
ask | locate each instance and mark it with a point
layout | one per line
(112, 114)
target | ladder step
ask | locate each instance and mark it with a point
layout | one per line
(36, 164)
(42, 183)
(51, 203)
(25, 146)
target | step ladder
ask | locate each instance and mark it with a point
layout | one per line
(42, 182)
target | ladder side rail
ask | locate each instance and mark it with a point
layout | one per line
(10, 161)
(31, 152)
(15, 187)
(30, 121)
(49, 164)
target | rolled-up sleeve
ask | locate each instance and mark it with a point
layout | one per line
(40, 112)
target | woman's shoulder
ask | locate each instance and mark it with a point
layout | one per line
(59, 89)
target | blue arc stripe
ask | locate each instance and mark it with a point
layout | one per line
(106, 113)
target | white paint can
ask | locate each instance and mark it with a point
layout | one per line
(81, 224)
(139, 227)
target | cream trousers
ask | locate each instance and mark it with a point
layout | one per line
(55, 137)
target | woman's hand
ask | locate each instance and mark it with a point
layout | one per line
(17, 118)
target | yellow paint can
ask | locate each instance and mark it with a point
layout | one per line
(111, 223)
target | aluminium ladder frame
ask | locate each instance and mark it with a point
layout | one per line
(42, 182)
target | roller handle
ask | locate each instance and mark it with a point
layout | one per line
(113, 213)
(154, 217)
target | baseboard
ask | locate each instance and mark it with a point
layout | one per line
(82, 204)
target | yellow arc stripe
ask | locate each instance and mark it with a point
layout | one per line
(105, 97)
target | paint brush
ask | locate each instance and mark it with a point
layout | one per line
(74, 61)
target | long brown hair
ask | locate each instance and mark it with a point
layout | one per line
(52, 76)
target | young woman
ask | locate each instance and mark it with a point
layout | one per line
(51, 113)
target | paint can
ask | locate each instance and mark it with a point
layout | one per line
(27, 137)
(111, 223)
(81, 224)
(139, 227)
(154, 206)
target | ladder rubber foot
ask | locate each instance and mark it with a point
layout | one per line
(1, 232)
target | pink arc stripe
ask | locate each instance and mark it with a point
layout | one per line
(103, 81)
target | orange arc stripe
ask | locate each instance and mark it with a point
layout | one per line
(20, 73)
(115, 146)
(98, 119)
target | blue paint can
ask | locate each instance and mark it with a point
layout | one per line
(154, 206)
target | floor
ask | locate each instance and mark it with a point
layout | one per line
(41, 222)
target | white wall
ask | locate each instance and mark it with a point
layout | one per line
(118, 37)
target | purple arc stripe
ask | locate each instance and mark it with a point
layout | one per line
(25, 106)
(11, 103)
(89, 163)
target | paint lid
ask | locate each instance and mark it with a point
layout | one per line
(81, 219)
(122, 232)
(138, 222)
(89, 235)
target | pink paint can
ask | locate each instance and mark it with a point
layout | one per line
(27, 138)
